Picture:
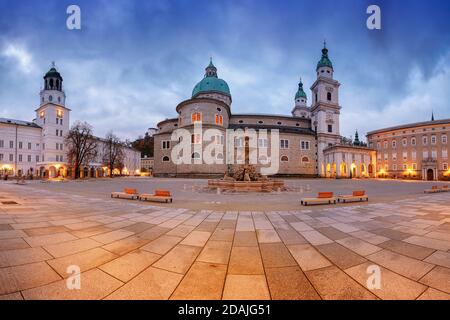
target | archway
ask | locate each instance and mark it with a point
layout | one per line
(430, 174)
(85, 172)
(333, 170)
(353, 171)
(52, 172)
(328, 173)
(343, 170)
(92, 172)
(371, 170)
(363, 170)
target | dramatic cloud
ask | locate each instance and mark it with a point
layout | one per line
(134, 61)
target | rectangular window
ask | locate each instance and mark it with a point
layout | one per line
(330, 128)
(284, 144)
(413, 141)
(11, 157)
(20, 145)
(20, 158)
(394, 156)
(433, 154)
(37, 158)
(29, 158)
(219, 119)
(1, 156)
(385, 157)
(405, 166)
(165, 144)
(219, 139)
(2, 144)
(414, 166)
(444, 153)
(405, 155)
(444, 139)
(196, 117)
(305, 145)
(413, 155)
(61, 158)
(425, 154)
(394, 144)
(57, 121)
(378, 145)
(404, 142)
(29, 145)
(433, 139)
(60, 133)
(445, 166)
(424, 140)
(385, 144)
(394, 167)
(57, 158)
(239, 142)
(262, 143)
(57, 132)
(61, 147)
(57, 146)
(11, 144)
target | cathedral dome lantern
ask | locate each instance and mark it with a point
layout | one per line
(300, 96)
(325, 66)
(301, 109)
(212, 85)
(53, 79)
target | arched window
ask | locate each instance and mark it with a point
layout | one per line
(51, 83)
(284, 159)
(165, 159)
(263, 160)
(329, 96)
(305, 159)
(195, 155)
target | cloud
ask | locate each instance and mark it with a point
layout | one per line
(20, 56)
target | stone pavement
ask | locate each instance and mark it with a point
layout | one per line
(132, 250)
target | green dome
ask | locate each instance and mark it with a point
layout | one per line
(53, 73)
(300, 93)
(324, 61)
(211, 83)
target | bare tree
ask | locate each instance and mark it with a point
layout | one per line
(113, 153)
(81, 146)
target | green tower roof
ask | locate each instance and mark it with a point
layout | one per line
(324, 61)
(300, 93)
(211, 83)
(53, 72)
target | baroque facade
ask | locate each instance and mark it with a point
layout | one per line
(413, 151)
(309, 142)
(37, 148)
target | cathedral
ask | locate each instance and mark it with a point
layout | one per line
(37, 148)
(308, 144)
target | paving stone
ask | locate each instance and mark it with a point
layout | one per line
(179, 259)
(290, 237)
(276, 255)
(267, 236)
(221, 234)
(308, 258)
(341, 287)
(95, 284)
(9, 234)
(359, 246)
(22, 256)
(245, 260)
(440, 258)
(162, 245)
(112, 236)
(196, 238)
(84, 260)
(408, 267)
(204, 281)
(18, 278)
(123, 246)
(245, 239)
(391, 234)
(151, 284)
(71, 247)
(392, 286)
(315, 237)
(128, 266)
(340, 256)
(438, 278)
(332, 233)
(433, 294)
(246, 287)
(12, 244)
(407, 249)
(11, 296)
(290, 283)
(216, 252)
(429, 243)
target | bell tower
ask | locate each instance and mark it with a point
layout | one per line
(325, 108)
(53, 116)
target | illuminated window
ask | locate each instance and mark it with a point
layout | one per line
(42, 114)
(196, 117)
(405, 166)
(219, 119)
(414, 166)
(59, 113)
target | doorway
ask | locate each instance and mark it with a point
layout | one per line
(430, 174)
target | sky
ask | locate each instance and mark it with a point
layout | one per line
(133, 61)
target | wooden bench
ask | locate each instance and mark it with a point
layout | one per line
(158, 196)
(355, 196)
(322, 198)
(434, 189)
(128, 193)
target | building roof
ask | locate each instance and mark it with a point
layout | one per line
(411, 125)
(211, 83)
(268, 115)
(300, 93)
(19, 123)
(324, 61)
